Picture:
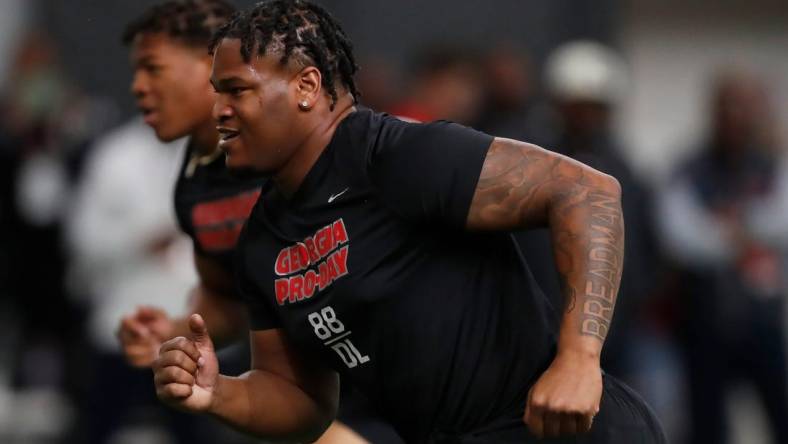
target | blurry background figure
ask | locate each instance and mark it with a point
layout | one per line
(378, 80)
(585, 82)
(511, 107)
(125, 252)
(443, 84)
(45, 127)
(724, 221)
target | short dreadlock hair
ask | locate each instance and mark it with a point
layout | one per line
(191, 22)
(296, 29)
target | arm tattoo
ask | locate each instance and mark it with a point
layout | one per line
(605, 260)
(506, 194)
(522, 185)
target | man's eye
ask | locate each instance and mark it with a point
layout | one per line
(236, 91)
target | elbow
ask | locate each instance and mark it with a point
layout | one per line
(594, 188)
(608, 184)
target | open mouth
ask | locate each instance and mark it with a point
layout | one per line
(226, 134)
(148, 114)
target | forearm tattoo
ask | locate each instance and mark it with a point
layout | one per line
(522, 185)
(605, 261)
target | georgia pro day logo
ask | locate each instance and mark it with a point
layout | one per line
(323, 256)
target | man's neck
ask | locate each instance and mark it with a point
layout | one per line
(290, 177)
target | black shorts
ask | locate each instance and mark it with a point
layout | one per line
(624, 418)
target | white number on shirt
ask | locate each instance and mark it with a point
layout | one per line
(330, 329)
(325, 323)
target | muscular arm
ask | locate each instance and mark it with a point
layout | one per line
(282, 397)
(522, 186)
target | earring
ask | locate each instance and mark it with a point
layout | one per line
(304, 105)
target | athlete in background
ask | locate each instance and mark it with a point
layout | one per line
(170, 85)
(169, 54)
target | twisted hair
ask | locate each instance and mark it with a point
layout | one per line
(296, 29)
(192, 22)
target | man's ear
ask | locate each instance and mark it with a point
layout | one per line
(309, 87)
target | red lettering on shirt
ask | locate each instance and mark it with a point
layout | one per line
(282, 267)
(303, 255)
(295, 261)
(322, 258)
(218, 223)
(340, 259)
(323, 271)
(296, 286)
(314, 256)
(310, 283)
(282, 289)
(323, 241)
(339, 232)
(333, 273)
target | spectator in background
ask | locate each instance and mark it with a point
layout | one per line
(45, 125)
(724, 222)
(126, 252)
(510, 107)
(445, 84)
(585, 81)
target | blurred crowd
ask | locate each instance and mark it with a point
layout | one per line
(88, 233)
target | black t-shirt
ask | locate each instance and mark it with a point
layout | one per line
(368, 266)
(212, 204)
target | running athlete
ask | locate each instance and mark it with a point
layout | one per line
(171, 71)
(169, 52)
(380, 250)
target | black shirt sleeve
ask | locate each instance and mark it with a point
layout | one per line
(428, 172)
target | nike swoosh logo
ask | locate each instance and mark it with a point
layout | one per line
(333, 197)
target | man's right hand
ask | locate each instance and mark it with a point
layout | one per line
(142, 334)
(186, 371)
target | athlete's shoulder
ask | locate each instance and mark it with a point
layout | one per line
(406, 141)
(366, 132)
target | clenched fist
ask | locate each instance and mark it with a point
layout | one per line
(142, 334)
(565, 399)
(186, 371)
